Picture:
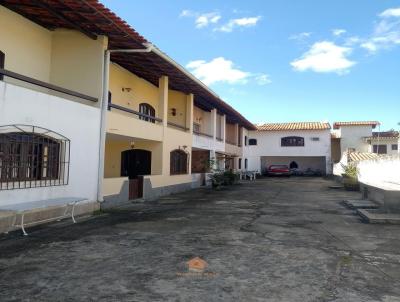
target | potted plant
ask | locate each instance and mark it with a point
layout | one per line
(350, 177)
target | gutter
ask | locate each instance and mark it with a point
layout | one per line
(104, 109)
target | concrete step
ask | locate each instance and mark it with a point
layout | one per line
(360, 204)
(378, 216)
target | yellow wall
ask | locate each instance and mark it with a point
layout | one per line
(141, 90)
(177, 100)
(230, 133)
(203, 118)
(112, 166)
(77, 62)
(66, 58)
(27, 46)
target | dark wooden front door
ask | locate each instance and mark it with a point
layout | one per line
(135, 163)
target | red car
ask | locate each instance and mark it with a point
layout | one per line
(278, 170)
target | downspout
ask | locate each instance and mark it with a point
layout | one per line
(104, 109)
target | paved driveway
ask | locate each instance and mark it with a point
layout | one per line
(270, 240)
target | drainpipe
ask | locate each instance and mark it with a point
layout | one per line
(104, 109)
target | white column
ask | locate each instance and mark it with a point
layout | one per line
(189, 112)
(163, 114)
(163, 99)
(223, 128)
(214, 124)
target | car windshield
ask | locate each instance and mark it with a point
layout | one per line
(278, 167)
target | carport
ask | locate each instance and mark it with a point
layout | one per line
(302, 162)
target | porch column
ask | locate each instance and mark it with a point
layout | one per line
(214, 123)
(223, 128)
(237, 134)
(163, 99)
(189, 112)
(163, 114)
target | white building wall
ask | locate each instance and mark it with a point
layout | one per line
(269, 144)
(388, 144)
(80, 123)
(353, 137)
(382, 172)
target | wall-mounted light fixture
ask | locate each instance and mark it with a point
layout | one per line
(173, 111)
(126, 89)
(132, 144)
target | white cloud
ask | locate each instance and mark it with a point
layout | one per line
(263, 79)
(301, 36)
(338, 32)
(386, 32)
(239, 22)
(221, 70)
(325, 57)
(391, 12)
(201, 20)
(204, 20)
(217, 70)
(186, 13)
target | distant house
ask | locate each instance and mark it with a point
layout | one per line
(383, 142)
(302, 145)
(351, 136)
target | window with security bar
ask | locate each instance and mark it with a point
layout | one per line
(32, 157)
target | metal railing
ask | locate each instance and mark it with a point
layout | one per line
(33, 81)
(202, 134)
(146, 117)
(178, 126)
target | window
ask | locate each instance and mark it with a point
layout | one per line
(292, 141)
(240, 163)
(196, 128)
(29, 159)
(315, 139)
(245, 163)
(148, 110)
(380, 149)
(178, 162)
(252, 142)
(2, 61)
(245, 140)
(395, 147)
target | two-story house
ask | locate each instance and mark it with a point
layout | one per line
(302, 145)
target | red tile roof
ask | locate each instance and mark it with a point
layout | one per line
(337, 125)
(93, 19)
(294, 126)
(359, 156)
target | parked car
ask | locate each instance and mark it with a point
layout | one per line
(278, 170)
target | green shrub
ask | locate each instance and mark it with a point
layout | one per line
(224, 178)
(350, 171)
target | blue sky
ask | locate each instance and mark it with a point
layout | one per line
(281, 61)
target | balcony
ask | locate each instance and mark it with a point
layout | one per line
(41, 84)
(233, 148)
(131, 123)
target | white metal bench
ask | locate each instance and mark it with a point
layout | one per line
(20, 209)
(252, 175)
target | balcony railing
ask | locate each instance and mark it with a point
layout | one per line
(202, 134)
(178, 126)
(20, 77)
(231, 142)
(143, 116)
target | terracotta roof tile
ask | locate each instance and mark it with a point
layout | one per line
(294, 126)
(336, 125)
(358, 156)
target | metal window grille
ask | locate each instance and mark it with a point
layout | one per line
(32, 156)
(178, 162)
(292, 141)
